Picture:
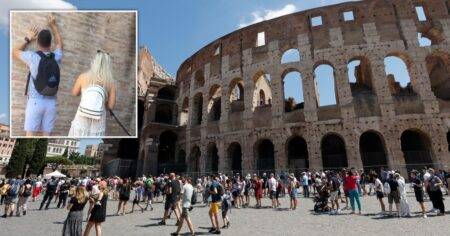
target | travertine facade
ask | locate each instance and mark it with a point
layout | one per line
(6, 144)
(83, 33)
(374, 123)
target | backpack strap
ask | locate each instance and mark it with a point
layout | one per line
(28, 83)
(43, 55)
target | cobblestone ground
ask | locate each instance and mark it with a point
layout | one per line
(248, 221)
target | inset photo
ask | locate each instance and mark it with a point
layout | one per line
(73, 74)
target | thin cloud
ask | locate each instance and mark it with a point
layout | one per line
(2, 116)
(258, 16)
(8, 5)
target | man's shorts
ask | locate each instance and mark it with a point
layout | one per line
(333, 195)
(419, 196)
(214, 208)
(394, 196)
(380, 195)
(273, 194)
(40, 115)
(169, 204)
(185, 212)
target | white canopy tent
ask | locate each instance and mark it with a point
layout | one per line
(55, 174)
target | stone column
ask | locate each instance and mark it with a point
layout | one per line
(352, 150)
(381, 87)
(309, 95)
(314, 153)
(344, 92)
(420, 81)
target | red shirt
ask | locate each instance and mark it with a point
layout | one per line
(350, 182)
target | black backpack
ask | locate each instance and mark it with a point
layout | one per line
(47, 79)
(194, 198)
(27, 191)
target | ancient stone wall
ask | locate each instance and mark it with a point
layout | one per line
(83, 34)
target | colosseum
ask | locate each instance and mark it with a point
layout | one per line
(228, 111)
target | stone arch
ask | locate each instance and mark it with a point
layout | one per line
(212, 158)
(417, 149)
(234, 152)
(290, 55)
(167, 93)
(373, 151)
(194, 159)
(398, 72)
(292, 90)
(297, 153)
(199, 79)
(262, 83)
(334, 154)
(264, 151)
(236, 90)
(164, 114)
(215, 103)
(197, 109)
(438, 65)
(325, 84)
(166, 152)
(360, 75)
(184, 116)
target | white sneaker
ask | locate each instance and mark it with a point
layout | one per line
(425, 216)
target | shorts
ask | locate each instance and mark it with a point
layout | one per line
(346, 193)
(380, 195)
(224, 212)
(419, 196)
(214, 208)
(394, 196)
(169, 204)
(293, 193)
(10, 200)
(273, 194)
(185, 212)
(40, 115)
(333, 195)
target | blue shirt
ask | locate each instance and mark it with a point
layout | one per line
(32, 59)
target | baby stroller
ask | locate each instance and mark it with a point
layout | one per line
(321, 200)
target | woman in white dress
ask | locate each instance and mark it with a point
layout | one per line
(98, 93)
(404, 205)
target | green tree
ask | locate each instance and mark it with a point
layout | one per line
(22, 152)
(60, 160)
(65, 154)
(37, 160)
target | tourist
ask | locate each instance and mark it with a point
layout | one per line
(258, 183)
(391, 189)
(343, 176)
(73, 225)
(50, 191)
(3, 187)
(124, 196)
(188, 192)
(273, 190)
(24, 194)
(418, 190)
(280, 191)
(404, 205)
(241, 186)
(97, 213)
(149, 189)
(292, 189)
(305, 185)
(379, 191)
(333, 186)
(12, 192)
(138, 194)
(226, 205)
(352, 188)
(236, 193)
(63, 193)
(37, 188)
(435, 184)
(247, 187)
(216, 191)
(172, 190)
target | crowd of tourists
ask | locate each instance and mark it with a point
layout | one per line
(330, 190)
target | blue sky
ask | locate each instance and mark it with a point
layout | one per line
(175, 29)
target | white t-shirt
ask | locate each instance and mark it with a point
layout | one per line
(187, 195)
(378, 185)
(273, 184)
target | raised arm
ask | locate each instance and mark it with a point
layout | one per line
(29, 37)
(54, 27)
(76, 89)
(112, 97)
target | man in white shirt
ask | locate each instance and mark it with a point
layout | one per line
(188, 191)
(273, 190)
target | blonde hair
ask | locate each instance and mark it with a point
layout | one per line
(100, 72)
(81, 194)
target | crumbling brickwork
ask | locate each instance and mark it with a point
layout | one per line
(83, 34)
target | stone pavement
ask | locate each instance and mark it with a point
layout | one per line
(248, 221)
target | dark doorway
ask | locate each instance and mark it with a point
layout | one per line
(334, 156)
(416, 150)
(216, 109)
(182, 160)
(128, 153)
(166, 153)
(163, 114)
(266, 156)
(212, 160)
(197, 109)
(167, 93)
(372, 151)
(235, 154)
(194, 160)
(297, 152)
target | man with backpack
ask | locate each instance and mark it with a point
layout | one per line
(63, 193)
(11, 197)
(216, 191)
(52, 184)
(24, 194)
(333, 186)
(188, 192)
(43, 78)
(172, 190)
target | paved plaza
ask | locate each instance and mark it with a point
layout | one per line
(248, 221)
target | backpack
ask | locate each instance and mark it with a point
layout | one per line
(92, 102)
(387, 188)
(335, 184)
(13, 190)
(194, 198)
(220, 190)
(26, 191)
(47, 79)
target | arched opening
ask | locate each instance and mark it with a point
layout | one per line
(197, 109)
(293, 91)
(372, 151)
(297, 151)
(325, 85)
(265, 153)
(291, 55)
(199, 79)
(163, 114)
(182, 160)
(423, 41)
(398, 76)
(439, 71)
(235, 155)
(167, 93)
(360, 75)
(184, 115)
(212, 159)
(194, 160)
(416, 148)
(262, 94)
(166, 152)
(215, 105)
(334, 155)
(237, 95)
